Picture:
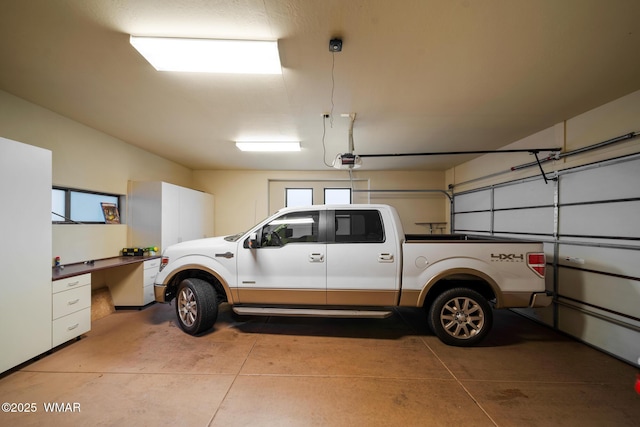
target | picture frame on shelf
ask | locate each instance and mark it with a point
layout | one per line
(111, 214)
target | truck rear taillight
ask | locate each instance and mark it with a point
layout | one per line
(537, 262)
(164, 262)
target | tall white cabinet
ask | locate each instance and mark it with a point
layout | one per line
(25, 251)
(161, 214)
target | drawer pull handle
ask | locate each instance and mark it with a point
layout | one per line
(75, 301)
(70, 284)
(71, 328)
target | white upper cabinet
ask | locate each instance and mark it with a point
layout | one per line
(161, 214)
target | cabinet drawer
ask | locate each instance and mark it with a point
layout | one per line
(71, 301)
(149, 276)
(148, 295)
(71, 326)
(71, 283)
(152, 263)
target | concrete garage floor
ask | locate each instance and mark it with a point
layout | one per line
(138, 368)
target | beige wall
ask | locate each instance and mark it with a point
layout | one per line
(86, 159)
(245, 197)
(608, 121)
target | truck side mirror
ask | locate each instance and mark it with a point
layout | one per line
(253, 241)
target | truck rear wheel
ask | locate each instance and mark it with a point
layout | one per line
(460, 317)
(196, 306)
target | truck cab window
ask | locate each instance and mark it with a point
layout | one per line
(362, 226)
(299, 227)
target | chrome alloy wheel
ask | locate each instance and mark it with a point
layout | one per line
(187, 306)
(462, 317)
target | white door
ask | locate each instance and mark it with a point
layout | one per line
(289, 266)
(363, 267)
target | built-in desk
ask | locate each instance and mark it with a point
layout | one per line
(79, 268)
(129, 279)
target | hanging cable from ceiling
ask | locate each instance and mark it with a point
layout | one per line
(347, 160)
(335, 45)
(324, 145)
(333, 85)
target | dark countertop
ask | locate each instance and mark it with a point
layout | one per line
(79, 268)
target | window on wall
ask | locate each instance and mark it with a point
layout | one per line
(58, 205)
(337, 196)
(298, 197)
(70, 206)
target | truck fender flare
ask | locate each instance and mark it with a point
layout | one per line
(230, 295)
(456, 271)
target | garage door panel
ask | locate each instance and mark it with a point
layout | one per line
(538, 221)
(476, 201)
(473, 221)
(615, 339)
(612, 293)
(604, 183)
(607, 220)
(531, 193)
(609, 260)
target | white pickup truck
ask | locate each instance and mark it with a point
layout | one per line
(351, 261)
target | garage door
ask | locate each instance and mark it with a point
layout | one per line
(589, 220)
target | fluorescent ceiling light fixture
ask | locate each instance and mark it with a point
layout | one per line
(210, 55)
(268, 145)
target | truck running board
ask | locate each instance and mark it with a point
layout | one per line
(311, 312)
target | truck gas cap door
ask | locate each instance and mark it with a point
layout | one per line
(316, 257)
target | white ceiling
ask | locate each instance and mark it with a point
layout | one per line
(422, 75)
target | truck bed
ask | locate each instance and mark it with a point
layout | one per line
(422, 238)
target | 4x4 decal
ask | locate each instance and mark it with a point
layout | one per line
(508, 257)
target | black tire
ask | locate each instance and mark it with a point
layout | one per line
(196, 306)
(460, 317)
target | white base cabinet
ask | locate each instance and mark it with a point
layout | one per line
(71, 308)
(151, 269)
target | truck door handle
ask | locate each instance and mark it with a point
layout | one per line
(316, 257)
(385, 257)
(226, 255)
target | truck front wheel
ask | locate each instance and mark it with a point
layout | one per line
(196, 306)
(460, 317)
